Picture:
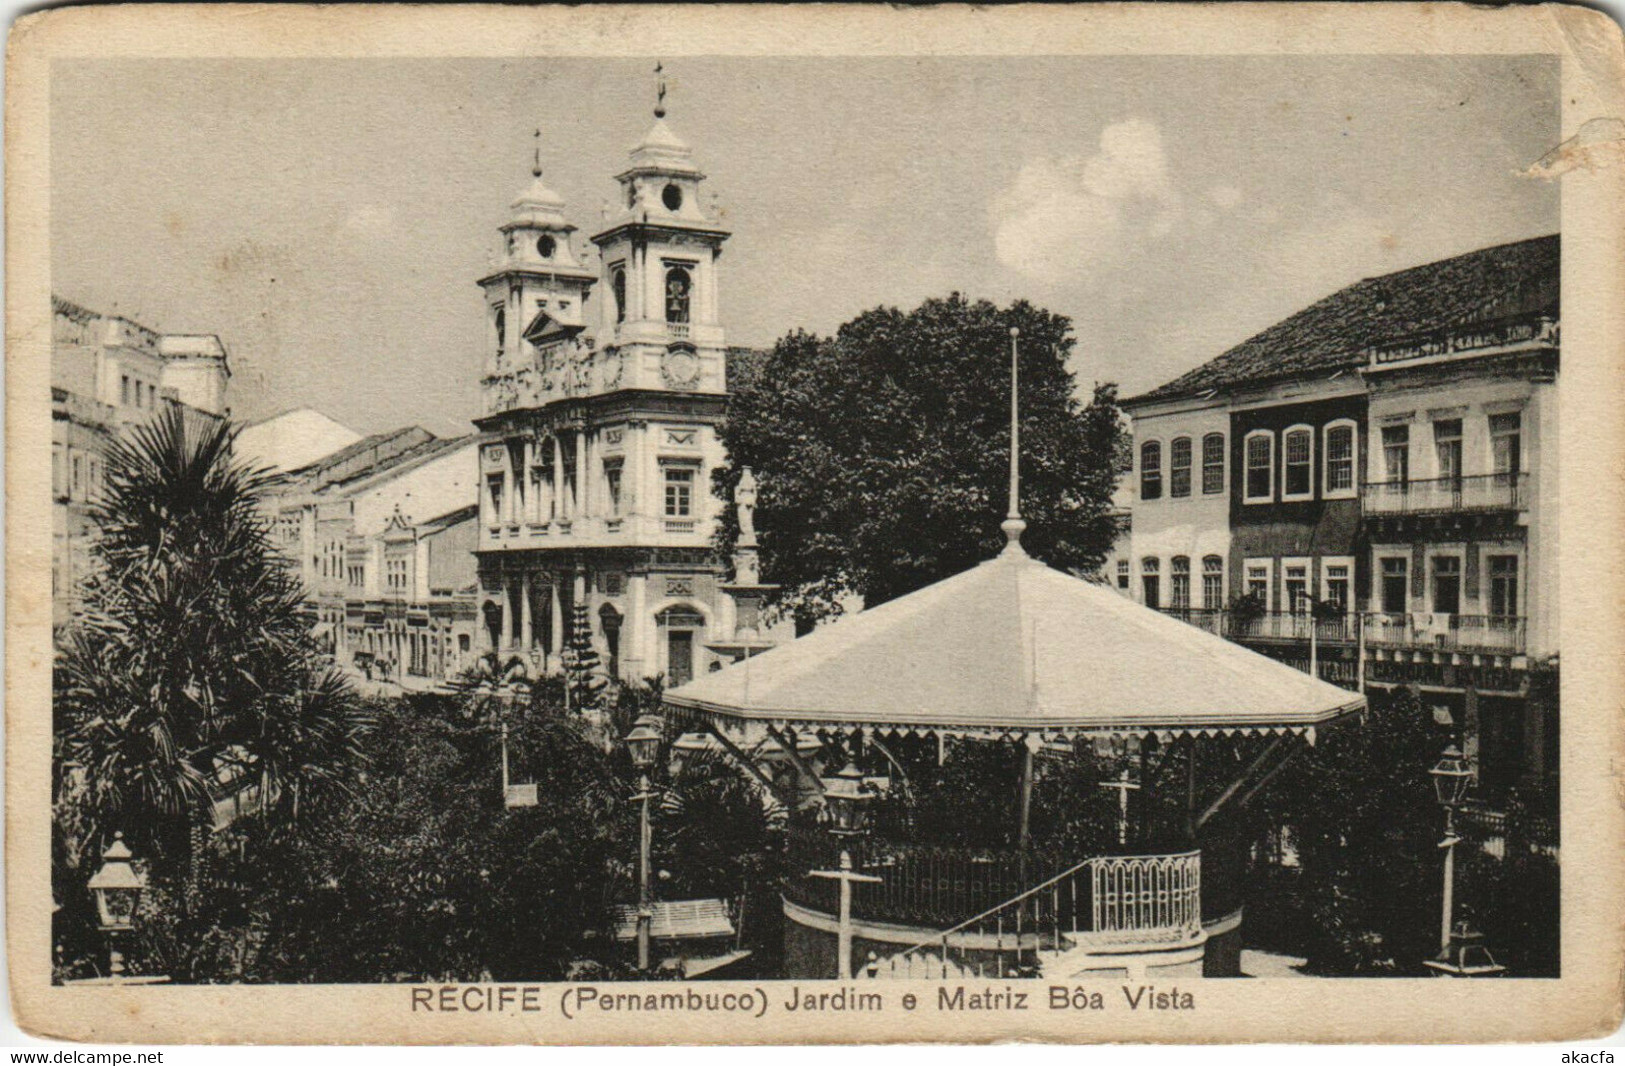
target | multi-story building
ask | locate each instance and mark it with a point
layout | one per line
(602, 391)
(1460, 518)
(107, 373)
(1371, 484)
(330, 519)
(420, 611)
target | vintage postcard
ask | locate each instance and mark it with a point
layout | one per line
(814, 524)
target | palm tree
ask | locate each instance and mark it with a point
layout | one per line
(191, 664)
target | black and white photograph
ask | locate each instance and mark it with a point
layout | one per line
(669, 524)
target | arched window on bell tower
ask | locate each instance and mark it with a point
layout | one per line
(678, 289)
(501, 323)
(617, 284)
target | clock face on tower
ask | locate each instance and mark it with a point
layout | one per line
(545, 246)
(680, 368)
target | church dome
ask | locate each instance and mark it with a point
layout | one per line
(539, 195)
(661, 149)
(539, 207)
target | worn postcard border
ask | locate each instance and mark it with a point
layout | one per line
(1585, 1001)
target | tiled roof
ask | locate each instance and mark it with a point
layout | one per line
(450, 518)
(406, 436)
(415, 454)
(1330, 335)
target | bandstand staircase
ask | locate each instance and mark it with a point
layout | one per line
(1076, 921)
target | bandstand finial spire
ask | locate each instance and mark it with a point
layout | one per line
(1013, 525)
(660, 89)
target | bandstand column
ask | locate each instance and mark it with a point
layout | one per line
(1026, 795)
(1190, 786)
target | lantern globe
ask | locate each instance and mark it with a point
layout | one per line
(117, 887)
(1452, 776)
(643, 742)
(848, 804)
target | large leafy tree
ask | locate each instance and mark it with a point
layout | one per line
(427, 876)
(190, 668)
(883, 452)
(1368, 828)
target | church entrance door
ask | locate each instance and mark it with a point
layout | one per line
(679, 657)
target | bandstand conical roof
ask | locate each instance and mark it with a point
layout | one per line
(1009, 648)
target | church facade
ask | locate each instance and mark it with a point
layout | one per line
(601, 393)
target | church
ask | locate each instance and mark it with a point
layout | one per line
(601, 392)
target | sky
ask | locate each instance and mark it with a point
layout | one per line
(329, 218)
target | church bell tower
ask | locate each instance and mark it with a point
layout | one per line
(536, 300)
(659, 251)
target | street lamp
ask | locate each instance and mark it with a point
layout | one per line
(643, 743)
(1451, 777)
(848, 807)
(117, 888)
(1461, 951)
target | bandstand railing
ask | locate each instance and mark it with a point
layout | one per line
(1105, 901)
(920, 884)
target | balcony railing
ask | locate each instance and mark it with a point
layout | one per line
(1270, 625)
(1480, 492)
(1497, 634)
(1211, 619)
(1502, 634)
(1289, 625)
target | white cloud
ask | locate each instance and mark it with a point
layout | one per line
(1063, 219)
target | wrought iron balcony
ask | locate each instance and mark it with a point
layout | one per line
(1211, 619)
(1495, 634)
(1269, 625)
(1480, 492)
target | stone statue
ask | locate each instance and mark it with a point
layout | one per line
(745, 501)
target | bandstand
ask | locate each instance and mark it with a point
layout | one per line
(1049, 666)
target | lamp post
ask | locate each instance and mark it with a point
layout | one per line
(1309, 605)
(1451, 777)
(643, 742)
(1462, 952)
(117, 888)
(848, 806)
